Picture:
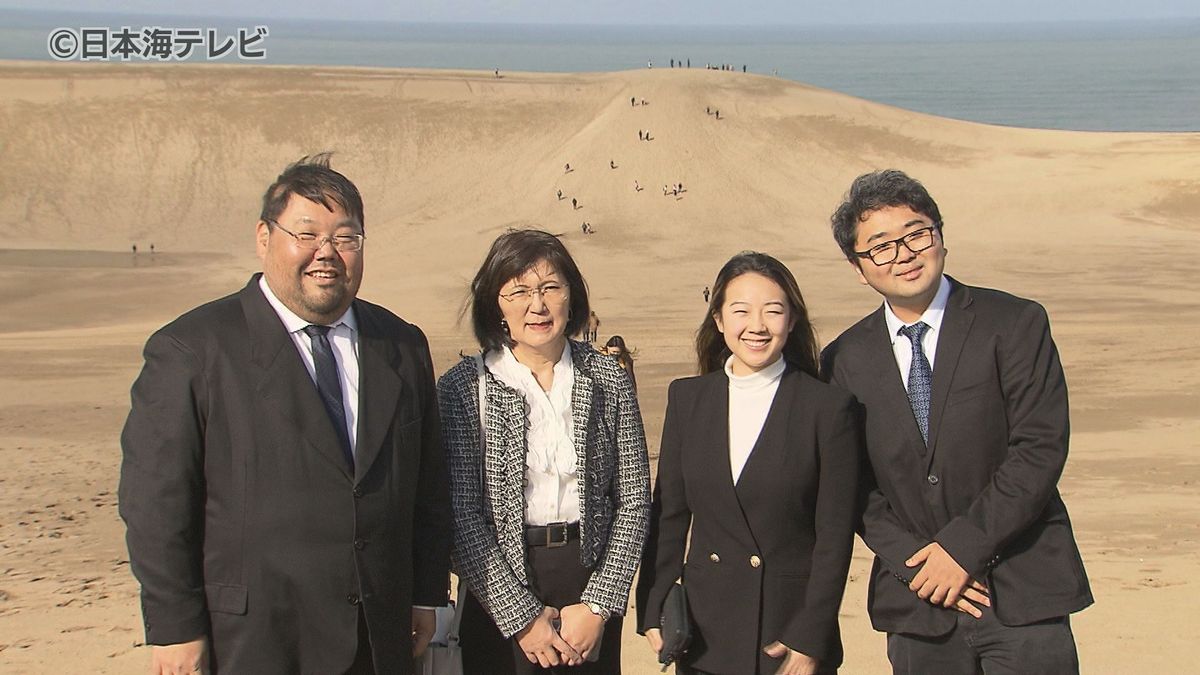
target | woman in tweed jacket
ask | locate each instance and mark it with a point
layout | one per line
(550, 515)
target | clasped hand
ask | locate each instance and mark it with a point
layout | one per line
(942, 581)
(794, 662)
(571, 642)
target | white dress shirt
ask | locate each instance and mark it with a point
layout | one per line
(901, 346)
(750, 398)
(551, 477)
(343, 338)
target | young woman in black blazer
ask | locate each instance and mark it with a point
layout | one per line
(759, 461)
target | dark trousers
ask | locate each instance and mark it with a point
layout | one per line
(986, 646)
(558, 580)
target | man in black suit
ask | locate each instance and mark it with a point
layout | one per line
(966, 424)
(283, 481)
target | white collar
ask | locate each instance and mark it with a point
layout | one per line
(756, 380)
(505, 366)
(932, 317)
(294, 323)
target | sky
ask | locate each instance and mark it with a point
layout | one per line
(646, 12)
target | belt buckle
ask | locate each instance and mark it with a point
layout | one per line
(550, 529)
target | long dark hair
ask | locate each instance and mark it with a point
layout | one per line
(625, 358)
(801, 347)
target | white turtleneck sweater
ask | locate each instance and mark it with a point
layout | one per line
(750, 398)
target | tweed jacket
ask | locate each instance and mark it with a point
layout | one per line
(488, 492)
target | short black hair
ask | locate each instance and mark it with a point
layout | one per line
(873, 191)
(311, 178)
(512, 254)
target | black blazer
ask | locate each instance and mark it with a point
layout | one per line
(986, 487)
(244, 521)
(769, 556)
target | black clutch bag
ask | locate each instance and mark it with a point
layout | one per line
(675, 625)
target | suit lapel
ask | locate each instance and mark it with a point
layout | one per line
(379, 389)
(767, 457)
(504, 455)
(763, 461)
(581, 414)
(881, 361)
(713, 447)
(956, 324)
(284, 383)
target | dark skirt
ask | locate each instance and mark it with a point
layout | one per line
(558, 580)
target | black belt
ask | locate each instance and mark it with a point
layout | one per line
(552, 535)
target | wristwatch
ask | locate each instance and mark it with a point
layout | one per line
(598, 611)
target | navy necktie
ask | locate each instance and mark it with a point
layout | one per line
(920, 377)
(329, 386)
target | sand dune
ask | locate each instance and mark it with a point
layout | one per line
(1100, 227)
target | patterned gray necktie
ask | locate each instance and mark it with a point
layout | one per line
(920, 377)
(329, 386)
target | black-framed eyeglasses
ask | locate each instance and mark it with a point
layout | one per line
(551, 292)
(886, 252)
(311, 241)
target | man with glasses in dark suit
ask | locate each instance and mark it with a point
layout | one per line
(283, 480)
(967, 426)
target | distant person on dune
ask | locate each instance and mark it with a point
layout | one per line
(593, 327)
(615, 347)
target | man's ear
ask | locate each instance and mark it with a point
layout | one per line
(262, 232)
(857, 265)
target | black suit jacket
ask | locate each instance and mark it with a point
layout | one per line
(769, 556)
(244, 521)
(986, 486)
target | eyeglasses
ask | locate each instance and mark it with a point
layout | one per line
(551, 293)
(886, 252)
(313, 242)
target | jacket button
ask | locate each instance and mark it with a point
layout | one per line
(352, 598)
(933, 480)
(357, 492)
(360, 543)
(714, 557)
(755, 561)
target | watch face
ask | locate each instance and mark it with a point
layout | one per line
(598, 610)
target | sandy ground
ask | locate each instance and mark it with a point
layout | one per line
(1101, 228)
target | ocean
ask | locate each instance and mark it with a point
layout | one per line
(1104, 76)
